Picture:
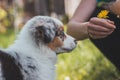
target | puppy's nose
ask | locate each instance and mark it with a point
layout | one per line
(75, 41)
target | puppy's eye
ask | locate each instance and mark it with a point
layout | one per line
(60, 34)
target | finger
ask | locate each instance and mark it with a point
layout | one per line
(96, 37)
(94, 27)
(97, 33)
(103, 23)
(111, 22)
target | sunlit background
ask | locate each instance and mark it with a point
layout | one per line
(86, 62)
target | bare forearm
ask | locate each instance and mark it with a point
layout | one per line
(77, 25)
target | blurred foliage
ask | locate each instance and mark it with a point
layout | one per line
(6, 20)
(86, 62)
(3, 13)
(6, 15)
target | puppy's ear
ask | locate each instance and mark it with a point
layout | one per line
(44, 34)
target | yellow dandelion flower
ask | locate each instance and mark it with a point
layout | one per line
(103, 14)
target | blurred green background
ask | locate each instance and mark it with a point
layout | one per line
(86, 62)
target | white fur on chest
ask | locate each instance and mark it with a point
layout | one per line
(37, 68)
(42, 59)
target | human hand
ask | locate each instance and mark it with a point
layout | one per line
(100, 28)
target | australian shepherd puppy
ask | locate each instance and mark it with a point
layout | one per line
(34, 53)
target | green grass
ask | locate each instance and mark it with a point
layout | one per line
(86, 62)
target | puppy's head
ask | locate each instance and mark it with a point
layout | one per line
(49, 31)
